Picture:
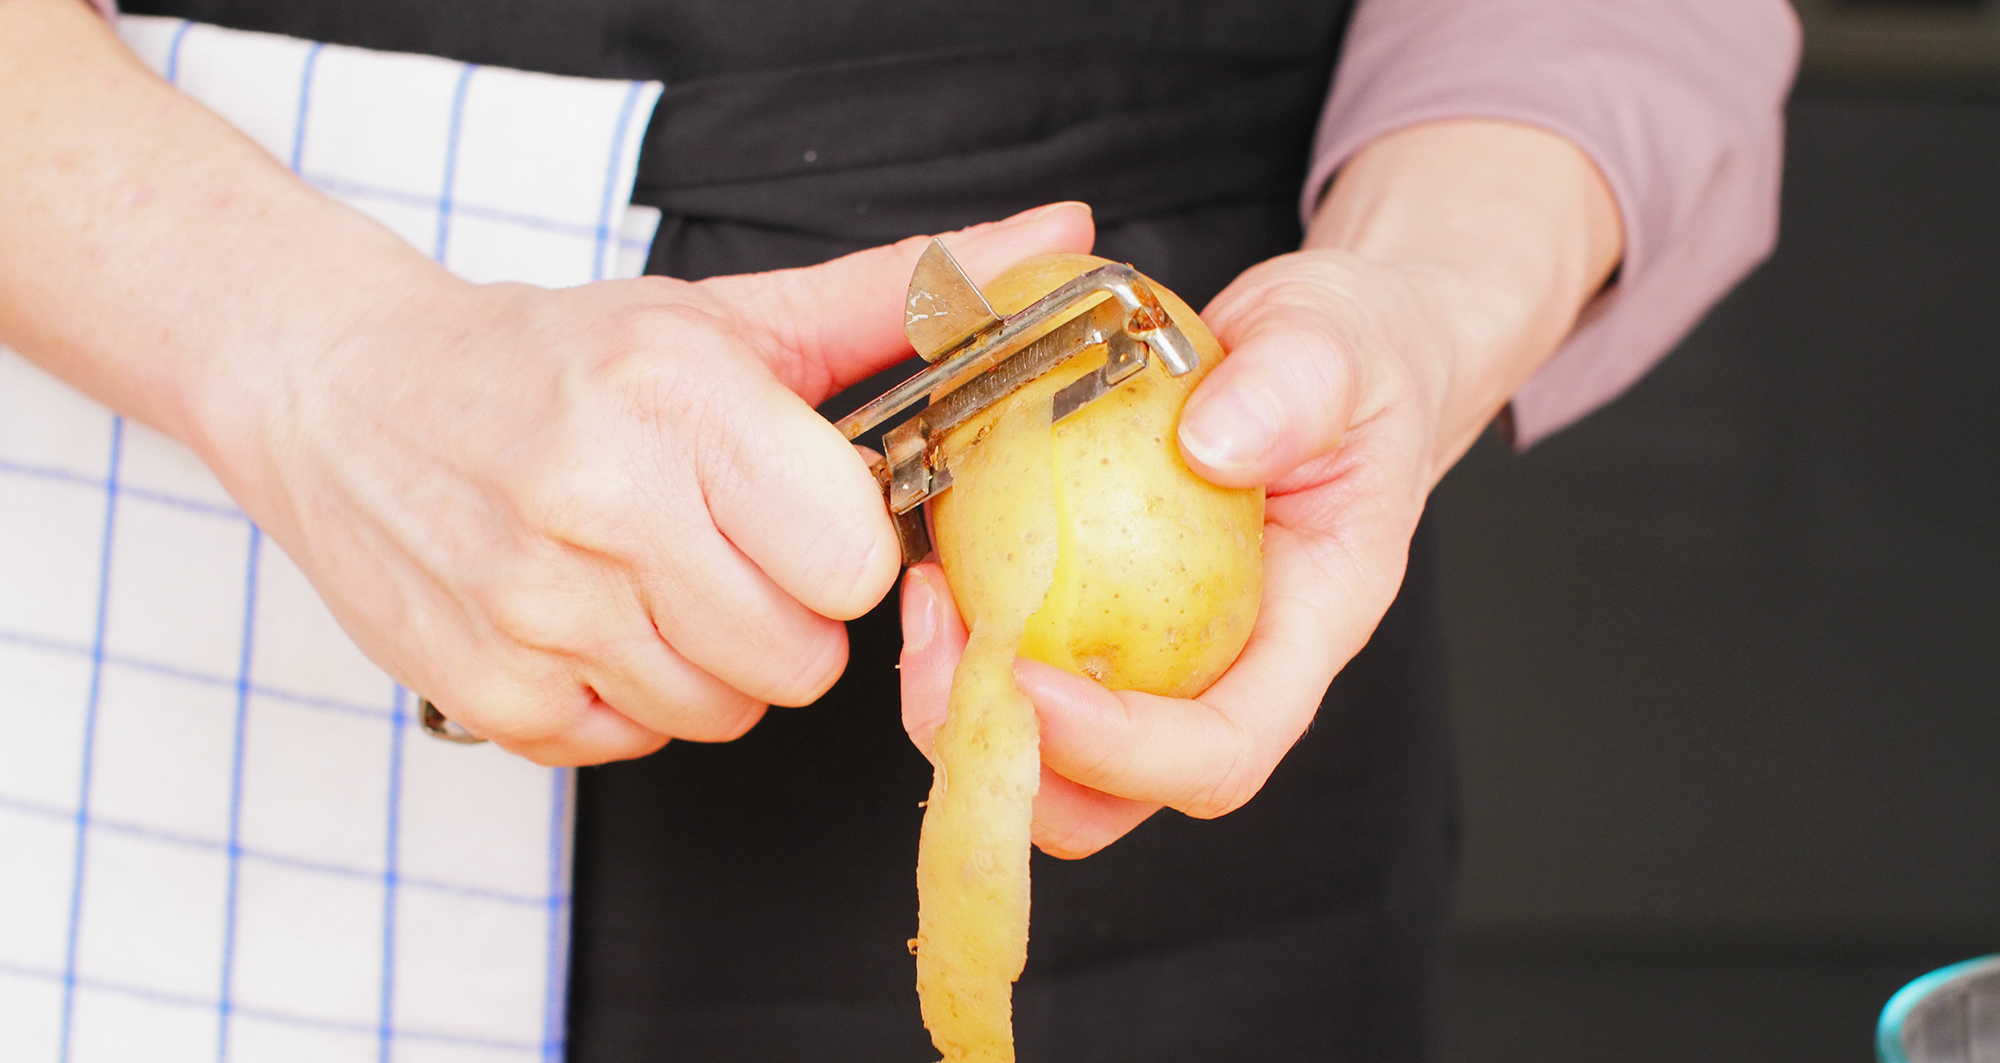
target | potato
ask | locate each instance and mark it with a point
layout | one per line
(1088, 544)
(1158, 572)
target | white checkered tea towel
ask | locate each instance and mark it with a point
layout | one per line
(221, 835)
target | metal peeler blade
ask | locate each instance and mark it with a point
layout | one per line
(979, 358)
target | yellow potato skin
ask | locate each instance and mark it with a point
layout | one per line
(1159, 572)
(972, 858)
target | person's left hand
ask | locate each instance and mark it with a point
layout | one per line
(1360, 369)
(1330, 396)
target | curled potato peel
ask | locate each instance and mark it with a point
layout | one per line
(1090, 545)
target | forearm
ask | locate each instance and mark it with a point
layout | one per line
(1511, 227)
(150, 254)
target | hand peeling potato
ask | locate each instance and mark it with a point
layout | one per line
(1087, 544)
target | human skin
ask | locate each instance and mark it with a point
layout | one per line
(582, 521)
(548, 511)
(1445, 264)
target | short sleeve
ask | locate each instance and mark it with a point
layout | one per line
(1679, 103)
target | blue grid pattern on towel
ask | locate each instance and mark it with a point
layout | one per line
(394, 708)
(90, 737)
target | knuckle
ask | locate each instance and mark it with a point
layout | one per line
(692, 706)
(668, 322)
(554, 605)
(517, 716)
(529, 620)
(588, 512)
(665, 364)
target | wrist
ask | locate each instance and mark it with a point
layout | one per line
(1503, 231)
(309, 337)
(151, 255)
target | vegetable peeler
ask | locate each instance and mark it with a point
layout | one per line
(978, 358)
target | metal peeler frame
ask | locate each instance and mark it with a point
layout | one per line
(978, 358)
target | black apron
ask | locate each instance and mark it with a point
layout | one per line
(751, 901)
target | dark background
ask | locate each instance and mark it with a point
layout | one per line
(1726, 656)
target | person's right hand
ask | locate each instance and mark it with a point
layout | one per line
(582, 521)
(586, 521)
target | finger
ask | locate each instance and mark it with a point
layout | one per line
(721, 612)
(645, 680)
(1208, 756)
(1073, 821)
(933, 641)
(665, 569)
(681, 575)
(840, 562)
(1285, 394)
(548, 719)
(1138, 746)
(569, 672)
(839, 322)
(793, 495)
(574, 676)
(598, 734)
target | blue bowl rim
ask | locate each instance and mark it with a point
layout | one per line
(1889, 1031)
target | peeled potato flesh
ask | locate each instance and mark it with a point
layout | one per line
(1158, 572)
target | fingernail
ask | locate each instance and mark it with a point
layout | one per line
(1044, 211)
(1231, 429)
(919, 612)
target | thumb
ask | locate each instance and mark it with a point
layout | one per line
(840, 322)
(933, 640)
(1285, 394)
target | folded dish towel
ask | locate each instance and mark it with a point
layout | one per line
(221, 834)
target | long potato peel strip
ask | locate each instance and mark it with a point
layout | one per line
(972, 860)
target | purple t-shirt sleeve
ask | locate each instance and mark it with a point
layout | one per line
(1678, 102)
